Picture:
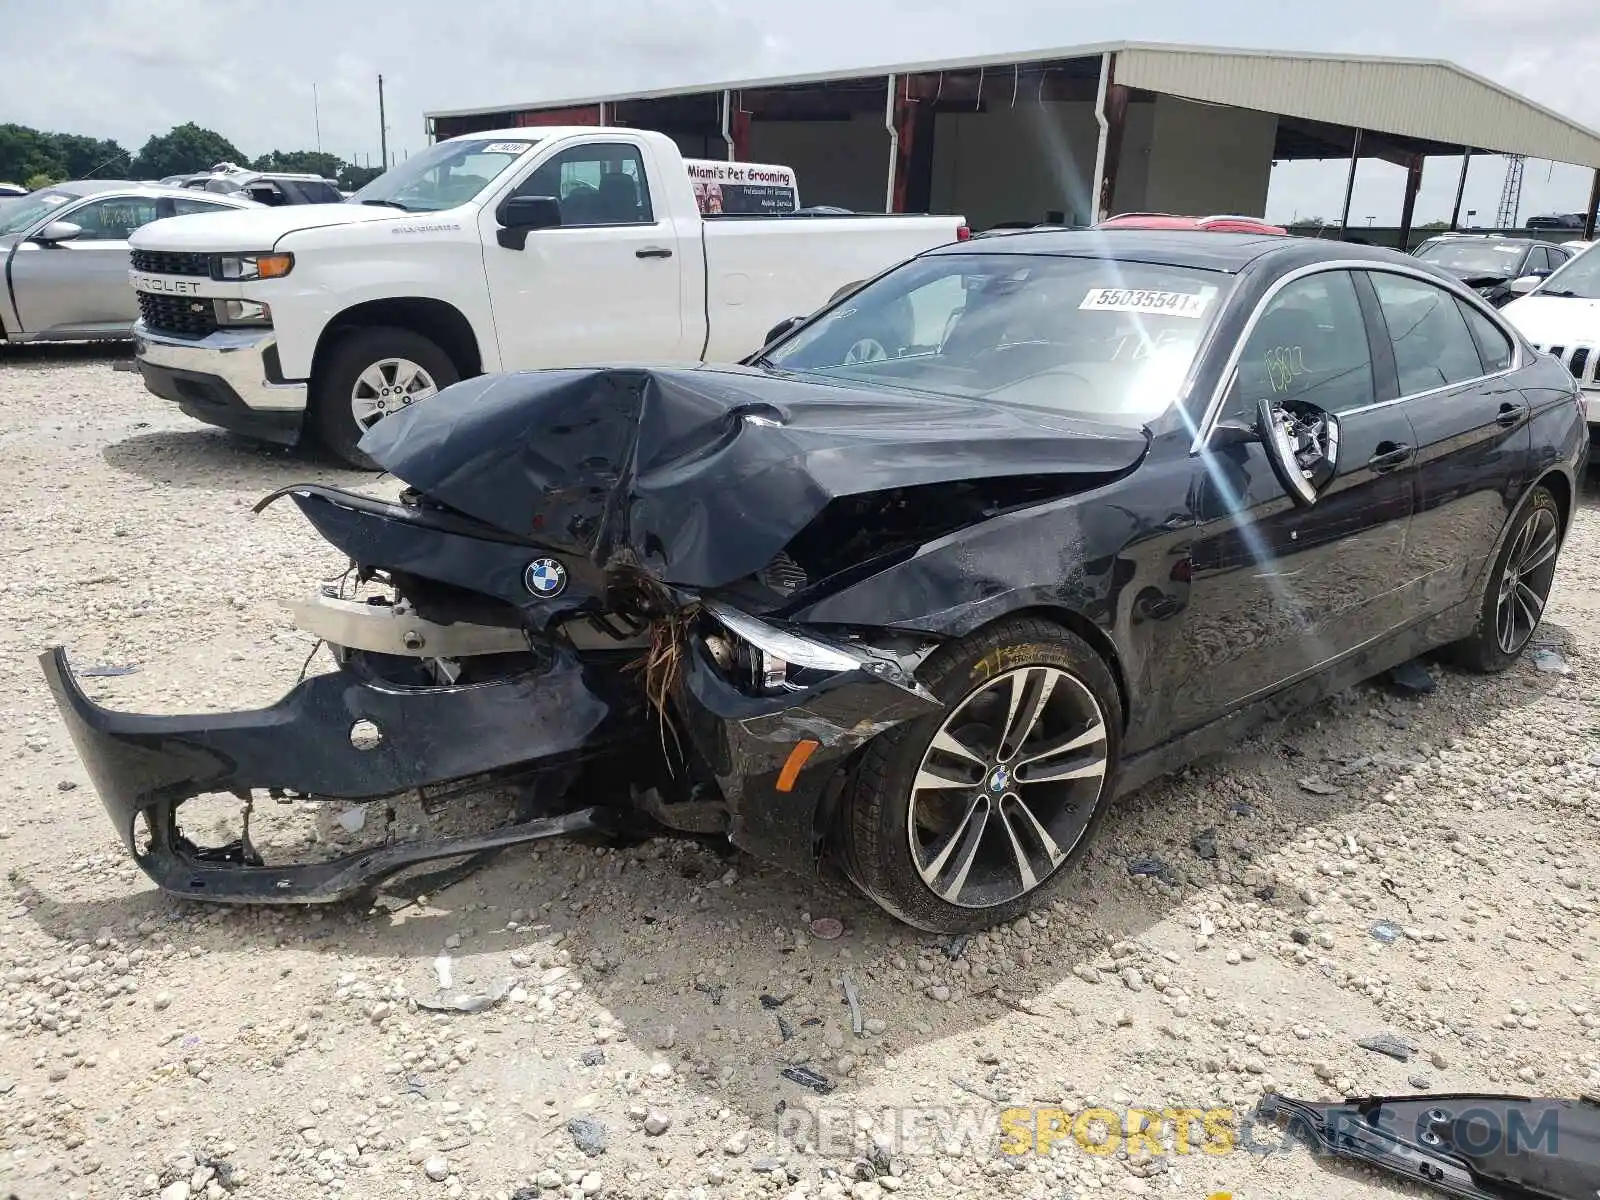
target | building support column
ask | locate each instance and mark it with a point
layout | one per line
(1594, 203)
(1350, 186)
(1111, 114)
(1409, 207)
(1461, 188)
(735, 127)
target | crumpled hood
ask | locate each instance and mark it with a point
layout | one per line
(703, 475)
(1555, 320)
(1477, 278)
(256, 228)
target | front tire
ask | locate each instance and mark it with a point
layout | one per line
(368, 374)
(963, 819)
(1517, 589)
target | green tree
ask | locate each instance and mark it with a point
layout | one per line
(91, 158)
(352, 177)
(183, 149)
(312, 162)
(26, 152)
(34, 182)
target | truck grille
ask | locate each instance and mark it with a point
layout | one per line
(169, 262)
(1582, 361)
(177, 314)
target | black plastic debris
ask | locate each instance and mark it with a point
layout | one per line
(1300, 937)
(526, 1192)
(956, 946)
(1205, 844)
(1412, 678)
(1149, 864)
(770, 1002)
(806, 1077)
(1388, 1044)
(1472, 1146)
(1266, 894)
(588, 1135)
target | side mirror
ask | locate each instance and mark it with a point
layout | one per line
(521, 215)
(57, 231)
(1523, 284)
(782, 329)
(1303, 446)
(1233, 433)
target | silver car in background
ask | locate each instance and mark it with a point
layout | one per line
(64, 256)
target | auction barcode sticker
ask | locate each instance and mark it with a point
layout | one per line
(505, 147)
(1136, 300)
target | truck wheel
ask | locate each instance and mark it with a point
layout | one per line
(368, 374)
(963, 819)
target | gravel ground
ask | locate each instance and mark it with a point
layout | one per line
(1418, 866)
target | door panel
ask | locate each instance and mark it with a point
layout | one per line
(1277, 590)
(604, 286)
(1473, 434)
(81, 285)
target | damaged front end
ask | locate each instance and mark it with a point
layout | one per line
(579, 600)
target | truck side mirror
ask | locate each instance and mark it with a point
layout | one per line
(782, 329)
(521, 215)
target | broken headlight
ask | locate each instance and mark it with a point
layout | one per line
(766, 660)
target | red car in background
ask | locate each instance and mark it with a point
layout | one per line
(1221, 224)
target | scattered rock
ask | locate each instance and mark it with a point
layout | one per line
(588, 1134)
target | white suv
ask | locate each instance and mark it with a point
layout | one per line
(1561, 316)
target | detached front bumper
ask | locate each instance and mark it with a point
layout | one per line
(305, 743)
(229, 378)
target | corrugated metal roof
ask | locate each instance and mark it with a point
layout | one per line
(1434, 100)
(1410, 97)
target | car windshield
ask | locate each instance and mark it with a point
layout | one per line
(1098, 338)
(444, 175)
(1484, 258)
(1579, 276)
(30, 210)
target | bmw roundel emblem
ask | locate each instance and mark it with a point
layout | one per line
(546, 578)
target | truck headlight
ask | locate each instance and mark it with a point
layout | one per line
(241, 268)
(243, 312)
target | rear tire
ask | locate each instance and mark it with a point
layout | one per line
(367, 374)
(954, 834)
(1517, 588)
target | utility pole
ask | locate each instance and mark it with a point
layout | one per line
(316, 116)
(383, 129)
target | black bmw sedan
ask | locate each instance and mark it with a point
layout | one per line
(918, 589)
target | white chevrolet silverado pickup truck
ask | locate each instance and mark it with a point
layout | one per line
(500, 251)
(1560, 315)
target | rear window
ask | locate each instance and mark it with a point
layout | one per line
(1102, 339)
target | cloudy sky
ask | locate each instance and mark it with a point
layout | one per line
(130, 68)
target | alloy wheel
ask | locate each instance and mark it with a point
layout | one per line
(387, 386)
(1530, 569)
(1007, 786)
(866, 350)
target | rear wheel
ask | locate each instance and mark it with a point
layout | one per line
(1518, 587)
(369, 374)
(961, 820)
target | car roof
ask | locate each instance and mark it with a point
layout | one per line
(1202, 250)
(155, 191)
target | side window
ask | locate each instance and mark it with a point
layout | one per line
(1538, 260)
(1432, 345)
(598, 184)
(1310, 344)
(182, 206)
(1493, 346)
(112, 219)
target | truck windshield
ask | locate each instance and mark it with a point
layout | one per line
(1098, 338)
(1579, 277)
(444, 175)
(30, 210)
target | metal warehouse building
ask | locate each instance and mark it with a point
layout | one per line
(1070, 136)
